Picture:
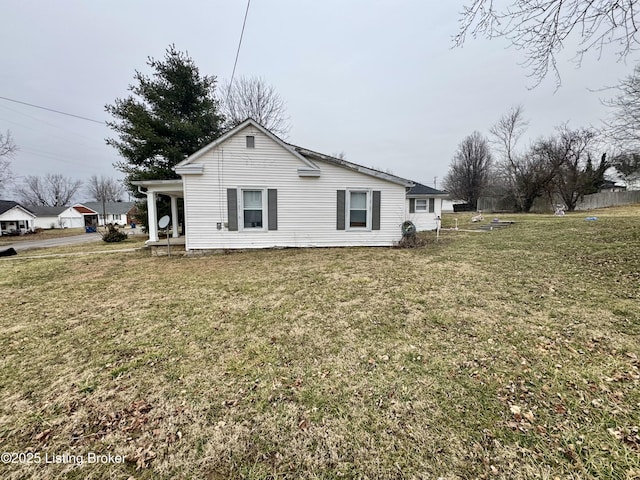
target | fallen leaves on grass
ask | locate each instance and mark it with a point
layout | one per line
(628, 435)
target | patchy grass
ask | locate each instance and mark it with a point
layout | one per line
(509, 354)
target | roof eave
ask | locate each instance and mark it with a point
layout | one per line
(354, 167)
(230, 133)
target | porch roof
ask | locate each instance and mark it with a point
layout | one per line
(166, 187)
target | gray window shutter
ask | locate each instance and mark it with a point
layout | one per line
(412, 205)
(272, 202)
(232, 209)
(341, 210)
(375, 218)
(432, 205)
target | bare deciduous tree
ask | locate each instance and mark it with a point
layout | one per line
(533, 174)
(623, 125)
(570, 151)
(104, 189)
(525, 175)
(7, 150)
(506, 134)
(52, 190)
(468, 174)
(253, 98)
(541, 27)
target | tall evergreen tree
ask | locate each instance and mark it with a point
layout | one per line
(170, 115)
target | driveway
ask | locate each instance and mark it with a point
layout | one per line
(53, 242)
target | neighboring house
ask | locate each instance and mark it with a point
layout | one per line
(424, 205)
(250, 189)
(47, 217)
(120, 213)
(611, 186)
(14, 218)
(628, 183)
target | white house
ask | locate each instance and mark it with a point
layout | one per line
(424, 205)
(47, 217)
(61, 217)
(119, 213)
(250, 189)
(14, 218)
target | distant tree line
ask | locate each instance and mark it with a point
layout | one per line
(566, 165)
(57, 190)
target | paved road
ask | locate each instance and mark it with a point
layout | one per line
(53, 242)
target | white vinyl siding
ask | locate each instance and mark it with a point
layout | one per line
(425, 218)
(306, 206)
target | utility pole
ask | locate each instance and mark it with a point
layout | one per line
(435, 182)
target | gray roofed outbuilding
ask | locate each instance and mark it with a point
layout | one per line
(421, 190)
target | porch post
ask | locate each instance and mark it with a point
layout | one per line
(152, 227)
(174, 216)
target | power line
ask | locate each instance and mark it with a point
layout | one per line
(246, 13)
(58, 111)
(12, 120)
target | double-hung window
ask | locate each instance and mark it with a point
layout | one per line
(253, 214)
(252, 209)
(421, 204)
(358, 209)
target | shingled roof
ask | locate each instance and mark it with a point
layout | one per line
(112, 208)
(419, 189)
(6, 205)
(40, 211)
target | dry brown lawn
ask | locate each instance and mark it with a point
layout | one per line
(42, 235)
(509, 354)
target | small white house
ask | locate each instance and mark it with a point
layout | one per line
(14, 218)
(424, 205)
(60, 217)
(117, 213)
(250, 189)
(47, 217)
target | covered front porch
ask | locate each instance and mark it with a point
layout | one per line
(153, 189)
(16, 220)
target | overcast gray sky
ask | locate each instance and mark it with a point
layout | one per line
(377, 80)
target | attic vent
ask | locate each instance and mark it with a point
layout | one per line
(251, 141)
